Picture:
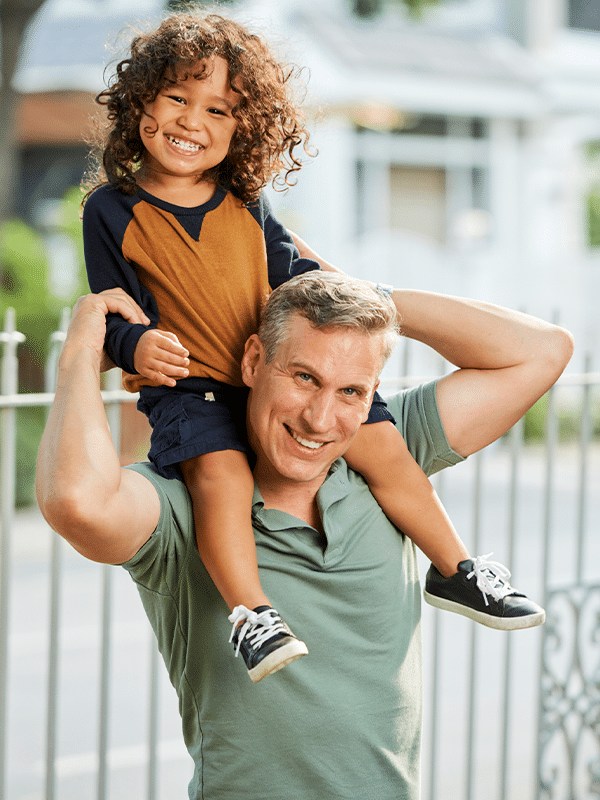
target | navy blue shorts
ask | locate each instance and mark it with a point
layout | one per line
(201, 415)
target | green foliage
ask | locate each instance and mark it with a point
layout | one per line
(593, 211)
(568, 422)
(370, 8)
(30, 426)
(24, 278)
(25, 286)
(416, 7)
(534, 427)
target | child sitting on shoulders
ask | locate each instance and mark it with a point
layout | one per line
(201, 117)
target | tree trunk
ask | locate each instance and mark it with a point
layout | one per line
(14, 17)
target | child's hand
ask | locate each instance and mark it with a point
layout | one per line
(159, 355)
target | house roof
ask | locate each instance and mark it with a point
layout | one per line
(69, 52)
(477, 73)
(381, 45)
(413, 67)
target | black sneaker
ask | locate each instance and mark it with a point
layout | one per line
(264, 640)
(480, 590)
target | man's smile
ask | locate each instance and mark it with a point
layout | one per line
(312, 445)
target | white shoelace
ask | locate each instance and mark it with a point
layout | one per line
(258, 628)
(492, 578)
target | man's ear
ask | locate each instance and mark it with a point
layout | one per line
(251, 358)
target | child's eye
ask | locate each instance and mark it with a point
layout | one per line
(216, 111)
(176, 98)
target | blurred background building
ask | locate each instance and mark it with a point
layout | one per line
(457, 149)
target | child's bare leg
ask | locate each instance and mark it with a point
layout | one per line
(221, 486)
(476, 588)
(404, 492)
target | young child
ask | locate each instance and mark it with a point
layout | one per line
(201, 115)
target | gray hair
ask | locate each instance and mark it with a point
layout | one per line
(329, 300)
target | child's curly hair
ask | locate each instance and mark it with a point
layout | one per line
(269, 128)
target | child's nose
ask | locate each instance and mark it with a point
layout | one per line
(191, 118)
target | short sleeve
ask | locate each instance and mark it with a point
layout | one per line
(418, 420)
(157, 564)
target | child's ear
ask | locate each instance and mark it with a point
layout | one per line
(251, 358)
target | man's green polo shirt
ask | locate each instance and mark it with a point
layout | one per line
(343, 723)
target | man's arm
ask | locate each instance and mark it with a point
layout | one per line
(506, 360)
(103, 511)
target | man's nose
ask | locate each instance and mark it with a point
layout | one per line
(319, 412)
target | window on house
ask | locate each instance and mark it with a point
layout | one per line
(418, 201)
(47, 171)
(367, 8)
(584, 14)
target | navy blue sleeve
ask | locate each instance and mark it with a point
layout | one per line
(106, 215)
(283, 259)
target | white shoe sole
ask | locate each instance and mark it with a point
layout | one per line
(278, 659)
(499, 623)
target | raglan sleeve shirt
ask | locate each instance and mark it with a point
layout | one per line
(108, 213)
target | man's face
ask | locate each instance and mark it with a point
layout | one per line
(308, 403)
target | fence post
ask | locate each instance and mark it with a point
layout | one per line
(10, 338)
(56, 343)
(113, 413)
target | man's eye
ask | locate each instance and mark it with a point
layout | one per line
(304, 376)
(349, 392)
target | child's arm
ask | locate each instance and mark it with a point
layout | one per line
(306, 252)
(283, 259)
(104, 225)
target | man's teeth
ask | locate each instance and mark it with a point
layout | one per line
(185, 145)
(307, 442)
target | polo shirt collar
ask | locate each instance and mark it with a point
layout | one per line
(335, 487)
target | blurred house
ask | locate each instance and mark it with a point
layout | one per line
(453, 150)
(61, 70)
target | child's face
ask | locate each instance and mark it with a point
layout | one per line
(193, 124)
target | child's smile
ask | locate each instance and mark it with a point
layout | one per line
(187, 130)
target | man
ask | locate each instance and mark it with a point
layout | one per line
(345, 722)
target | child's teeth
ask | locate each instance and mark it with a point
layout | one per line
(185, 145)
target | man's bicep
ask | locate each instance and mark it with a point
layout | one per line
(127, 519)
(478, 406)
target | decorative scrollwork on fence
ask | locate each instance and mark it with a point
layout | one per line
(569, 763)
